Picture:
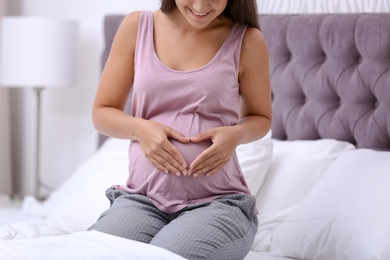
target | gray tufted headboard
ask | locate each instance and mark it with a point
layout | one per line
(330, 76)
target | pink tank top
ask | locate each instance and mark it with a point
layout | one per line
(190, 102)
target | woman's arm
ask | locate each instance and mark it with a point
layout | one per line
(116, 82)
(255, 92)
(114, 87)
(255, 87)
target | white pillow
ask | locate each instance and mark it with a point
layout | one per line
(296, 166)
(78, 203)
(255, 160)
(111, 151)
(345, 216)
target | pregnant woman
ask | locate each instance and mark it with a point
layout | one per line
(199, 75)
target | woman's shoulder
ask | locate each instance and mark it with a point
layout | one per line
(254, 51)
(131, 20)
(254, 37)
(128, 29)
(253, 42)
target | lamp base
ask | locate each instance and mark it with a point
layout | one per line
(38, 90)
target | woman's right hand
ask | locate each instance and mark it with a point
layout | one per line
(154, 140)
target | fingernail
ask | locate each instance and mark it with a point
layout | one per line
(196, 175)
(178, 174)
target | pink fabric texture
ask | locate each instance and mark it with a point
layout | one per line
(190, 102)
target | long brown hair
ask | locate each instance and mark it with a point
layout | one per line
(240, 11)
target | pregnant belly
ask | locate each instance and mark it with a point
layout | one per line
(170, 192)
(190, 151)
(140, 164)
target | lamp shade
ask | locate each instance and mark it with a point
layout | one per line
(38, 52)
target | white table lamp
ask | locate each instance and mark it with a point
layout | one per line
(38, 53)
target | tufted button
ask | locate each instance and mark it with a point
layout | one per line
(289, 56)
(359, 59)
(323, 57)
(338, 101)
(376, 104)
(303, 100)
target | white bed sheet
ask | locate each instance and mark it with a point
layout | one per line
(10, 215)
(10, 210)
(252, 255)
(91, 245)
(19, 239)
(81, 245)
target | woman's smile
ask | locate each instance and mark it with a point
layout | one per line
(199, 14)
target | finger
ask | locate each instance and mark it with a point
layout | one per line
(164, 166)
(169, 162)
(206, 135)
(210, 169)
(204, 158)
(171, 149)
(205, 166)
(171, 133)
(175, 158)
(158, 165)
(168, 154)
(164, 160)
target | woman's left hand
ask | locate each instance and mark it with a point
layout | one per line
(224, 142)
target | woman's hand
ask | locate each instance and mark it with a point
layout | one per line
(153, 138)
(225, 140)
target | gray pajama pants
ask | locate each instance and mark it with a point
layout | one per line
(221, 229)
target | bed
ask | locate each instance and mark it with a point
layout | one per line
(321, 176)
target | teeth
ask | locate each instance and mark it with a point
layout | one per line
(199, 14)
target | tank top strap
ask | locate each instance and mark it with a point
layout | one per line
(232, 45)
(144, 43)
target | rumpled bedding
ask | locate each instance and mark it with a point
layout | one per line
(81, 245)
